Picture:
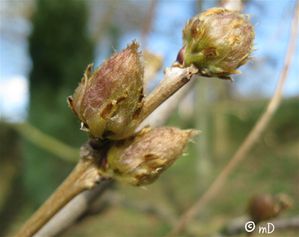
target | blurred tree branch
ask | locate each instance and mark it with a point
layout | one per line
(235, 5)
(249, 141)
(11, 188)
(236, 226)
(148, 22)
(84, 176)
(69, 214)
(47, 142)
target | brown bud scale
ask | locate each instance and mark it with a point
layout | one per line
(141, 159)
(217, 42)
(108, 100)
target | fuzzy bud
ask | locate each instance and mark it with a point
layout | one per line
(217, 42)
(141, 159)
(108, 100)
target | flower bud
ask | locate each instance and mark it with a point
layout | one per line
(141, 159)
(108, 100)
(217, 42)
(263, 207)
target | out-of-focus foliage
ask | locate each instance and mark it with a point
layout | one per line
(10, 175)
(60, 50)
(281, 130)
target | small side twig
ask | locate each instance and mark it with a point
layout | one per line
(249, 141)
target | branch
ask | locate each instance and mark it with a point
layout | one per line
(46, 142)
(249, 141)
(68, 215)
(84, 176)
(235, 5)
(163, 112)
(286, 223)
(174, 79)
(148, 21)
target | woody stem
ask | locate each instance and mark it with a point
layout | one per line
(84, 176)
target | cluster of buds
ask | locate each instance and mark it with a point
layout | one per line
(109, 100)
(217, 42)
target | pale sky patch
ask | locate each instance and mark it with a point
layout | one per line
(13, 98)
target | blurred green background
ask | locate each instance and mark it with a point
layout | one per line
(39, 146)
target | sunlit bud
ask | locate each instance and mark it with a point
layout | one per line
(141, 159)
(217, 42)
(108, 100)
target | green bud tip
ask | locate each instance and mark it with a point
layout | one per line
(217, 42)
(108, 100)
